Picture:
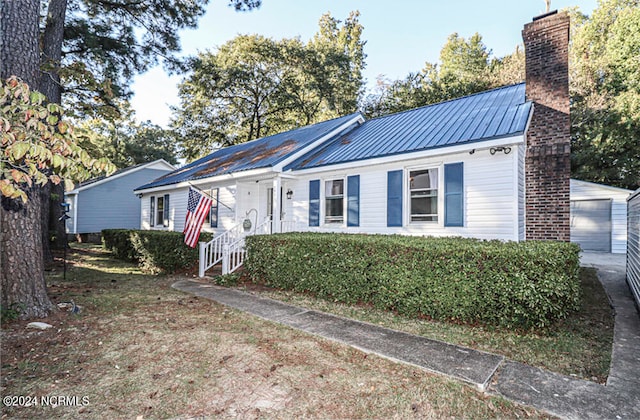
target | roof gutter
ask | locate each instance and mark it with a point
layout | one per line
(234, 176)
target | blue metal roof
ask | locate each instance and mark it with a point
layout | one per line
(492, 114)
(260, 153)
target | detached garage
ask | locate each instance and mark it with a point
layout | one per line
(599, 217)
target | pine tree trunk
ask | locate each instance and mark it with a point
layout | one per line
(22, 275)
(51, 88)
(45, 216)
(21, 264)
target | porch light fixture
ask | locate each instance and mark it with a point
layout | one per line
(289, 194)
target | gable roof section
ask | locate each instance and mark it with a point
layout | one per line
(260, 153)
(488, 115)
(90, 183)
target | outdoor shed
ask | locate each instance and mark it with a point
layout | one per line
(109, 202)
(599, 217)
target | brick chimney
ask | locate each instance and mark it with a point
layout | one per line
(547, 161)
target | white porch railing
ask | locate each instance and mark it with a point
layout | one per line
(211, 252)
(289, 226)
(233, 256)
(228, 248)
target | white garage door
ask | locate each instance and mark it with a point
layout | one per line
(591, 224)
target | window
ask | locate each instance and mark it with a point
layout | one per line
(212, 217)
(334, 201)
(159, 211)
(152, 210)
(423, 195)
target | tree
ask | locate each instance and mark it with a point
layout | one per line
(254, 86)
(339, 49)
(126, 142)
(605, 93)
(465, 67)
(22, 270)
(92, 48)
(38, 148)
(95, 30)
(509, 69)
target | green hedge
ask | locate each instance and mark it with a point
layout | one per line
(155, 251)
(512, 284)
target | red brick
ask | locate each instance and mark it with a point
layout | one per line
(547, 159)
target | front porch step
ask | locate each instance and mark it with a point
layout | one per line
(216, 271)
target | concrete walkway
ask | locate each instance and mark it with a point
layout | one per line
(556, 394)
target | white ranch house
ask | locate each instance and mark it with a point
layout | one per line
(470, 167)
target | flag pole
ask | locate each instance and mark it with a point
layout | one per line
(209, 195)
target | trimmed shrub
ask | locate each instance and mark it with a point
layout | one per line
(155, 251)
(118, 241)
(511, 284)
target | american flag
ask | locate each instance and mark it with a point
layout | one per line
(198, 207)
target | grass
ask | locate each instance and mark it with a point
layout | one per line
(140, 348)
(579, 345)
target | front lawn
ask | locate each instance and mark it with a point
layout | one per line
(140, 349)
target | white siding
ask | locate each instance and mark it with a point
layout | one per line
(521, 194)
(178, 208)
(490, 189)
(633, 251)
(582, 190)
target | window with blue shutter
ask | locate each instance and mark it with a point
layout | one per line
(394, 198)
(353, 200)
(152, 210)
(165, 213)
(213, 213)
(314, 202)
(454, 194)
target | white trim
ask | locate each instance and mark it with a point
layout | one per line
(121, 174)
(234, 176)
(357, 119)
(516, 195)
(441, 151)
(603, 186)
(271, 172)
(406, 192)
(323, 202)
(75, 213)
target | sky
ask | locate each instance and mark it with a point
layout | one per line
(400, 35)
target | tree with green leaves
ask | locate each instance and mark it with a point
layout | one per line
(82, 48)
(90, 51)
(126, 142)
(464, 68)
(254, 86)
(605, 95)
(38, 147)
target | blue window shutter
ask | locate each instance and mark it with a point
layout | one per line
(353, 200)
(165, 212)
(213, 216)
(454, 194)
(152, 210)
(314, 202)
(394, 198)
